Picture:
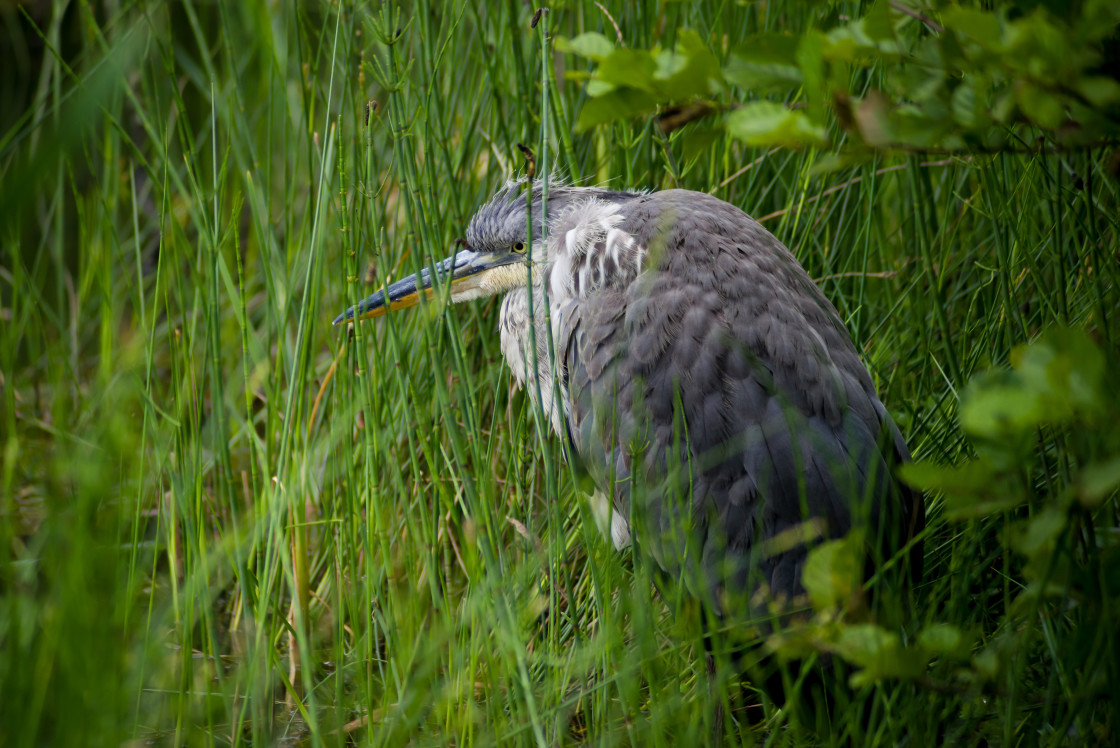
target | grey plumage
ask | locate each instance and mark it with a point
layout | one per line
(705, 383)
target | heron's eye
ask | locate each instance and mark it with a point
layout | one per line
(519, 248)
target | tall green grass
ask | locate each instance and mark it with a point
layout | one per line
(225, 521)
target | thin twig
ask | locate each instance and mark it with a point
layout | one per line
(617, 31)
(327, 380)
(856, 274)
(747, 168)
(932, 24)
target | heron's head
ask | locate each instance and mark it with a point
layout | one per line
(492, 258)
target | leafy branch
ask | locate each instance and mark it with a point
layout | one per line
(946, 80)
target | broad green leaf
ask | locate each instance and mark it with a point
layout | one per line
(1063, 364)
(668, 63)
(811, 62)
(922, 126)
(1051, 380)
(794, 642)
(688, 71)
(982, 28)
(1003, 109)
(698, 141)
(852, 43)
(988, 663)
(966, 106)
(1039, 105)
(768, 48)
(833, 572)
(923, 77)
(946, 639)
(1081, 369)
(867, 644)
(877, 22)
(590, 45)
(996, 404)
(764, 62)
(928, 87)
(1036, 535)
(963, 506)
(1098, 481)
(879, 652)
(761, 78)
(615, 105)
(975, 489)
(942, 53)
(597, 87)
(1100, 91)
(1038, 50)
(973, 475)
(764, 123)
(633, 68)
(1099, 18)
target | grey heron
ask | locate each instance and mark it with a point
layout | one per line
(699, 375)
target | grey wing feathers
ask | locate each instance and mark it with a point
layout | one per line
(728, 382)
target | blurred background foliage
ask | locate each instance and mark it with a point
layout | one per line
(1017, 77)
(226, 522)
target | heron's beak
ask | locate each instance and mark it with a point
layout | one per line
(466, 271)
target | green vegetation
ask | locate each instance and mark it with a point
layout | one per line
(223, 521)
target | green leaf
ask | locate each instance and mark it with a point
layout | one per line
(866, 643)
(688, 71)
(590, 45)
(1003, 107)
(1098, 481)
(619, 104)
(633, 68)
(764, 123)
(943, 53)
(975, 489)
(982, 28)
(973, 475)
(1037, 534)
(997, 403)
(597, 87)
(1099, 18)
(1040, 106)
(698, 141)
(1052, 381)
(1100, 91)
(922, 126)
(946, 639)
(833, 572)
(877, 22)
(764, 62)
(811, 62)
(853, 43)
(988, 663)
(968, 108)
(879, 652)
(768, 48)
(1065, 367)
(1037, 49)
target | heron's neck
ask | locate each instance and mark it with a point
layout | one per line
(591, 251)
